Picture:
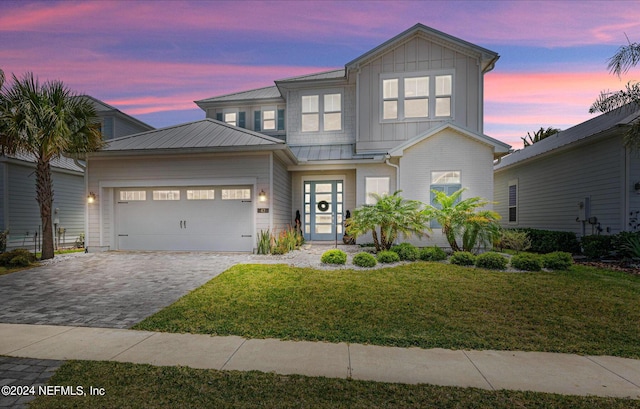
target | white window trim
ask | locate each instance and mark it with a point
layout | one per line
(321, 111)
(400, 76)
(230, 111)
(275, 118)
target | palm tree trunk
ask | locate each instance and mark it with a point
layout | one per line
(375, 239)
(44, 193)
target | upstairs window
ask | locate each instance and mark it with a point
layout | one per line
(310, 113)
(322, 112)
(231, 118)
(415, 96)
(269, 120)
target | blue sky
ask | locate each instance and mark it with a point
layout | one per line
(152, 60)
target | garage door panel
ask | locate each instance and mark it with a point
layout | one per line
(197, 225)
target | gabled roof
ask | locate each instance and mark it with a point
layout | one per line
(499, 148)
(488, 57)
(103, 108)
(204, 135)
(618, 119)
(259, 93)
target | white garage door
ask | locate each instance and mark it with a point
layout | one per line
(209, 218)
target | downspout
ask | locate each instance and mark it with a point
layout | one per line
(387, 162)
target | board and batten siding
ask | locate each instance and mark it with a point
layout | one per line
(347, 134)
(154, 171)
(23, 212)
(446, 151)
(550, 188)
(281, 196)
(417, 55)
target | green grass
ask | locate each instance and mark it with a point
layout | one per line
(145, 386)
(583, 310)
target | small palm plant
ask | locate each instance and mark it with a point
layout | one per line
(461, 218)
(388, 217)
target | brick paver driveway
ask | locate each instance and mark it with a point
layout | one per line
(112, 289)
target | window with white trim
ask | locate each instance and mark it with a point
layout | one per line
(133, 195)
(268, 119)
(416, 96)
(236, 194)
(329, 105)
(231, 118)
(310, 113)
(166, 195)
(513, 202)
(377, 185)
(201, 194)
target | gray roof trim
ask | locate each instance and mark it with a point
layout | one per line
(206, 134)
(337, 153)
(324, 75)
(488, 57)
(498, 146)
(599, 126)
(62, 163)
(270, 92)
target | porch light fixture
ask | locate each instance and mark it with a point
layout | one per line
(91, 198)
(262, 196)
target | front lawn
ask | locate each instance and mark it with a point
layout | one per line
(583, 310)
(145, 386)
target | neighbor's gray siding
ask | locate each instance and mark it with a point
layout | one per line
(549, 188)
(148, 170)
(23, 215)
(122, 127)
(417, 55)
(3, 195)
(281, 196)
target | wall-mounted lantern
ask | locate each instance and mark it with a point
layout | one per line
(91, 198)
(262, 196)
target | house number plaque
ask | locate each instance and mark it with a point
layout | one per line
(263, 210)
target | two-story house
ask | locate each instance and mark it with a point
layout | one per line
(406, 115)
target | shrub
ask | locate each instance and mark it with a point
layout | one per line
(548, 241)
(264, 242)
(526, 262)
(406, 251)
(3, 240)
(462, 258)
(627, 244)
(388, 257)
(434, 253)
(491, 261)
(364, 260)
(597, 246)
(514, 240)
(17, 258)
(558, 260)
(334, 256)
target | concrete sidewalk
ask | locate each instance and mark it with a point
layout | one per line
(532, 371)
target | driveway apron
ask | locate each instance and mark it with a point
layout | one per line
(110, 289)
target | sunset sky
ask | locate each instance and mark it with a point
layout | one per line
(153, 59)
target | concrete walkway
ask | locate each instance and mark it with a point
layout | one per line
(532, 371)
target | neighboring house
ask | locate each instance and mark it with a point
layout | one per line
(407, 115)
(580, 180)
(19, 210)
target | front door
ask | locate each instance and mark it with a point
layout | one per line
(323, 209)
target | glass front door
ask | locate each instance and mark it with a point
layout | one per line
(323, 209)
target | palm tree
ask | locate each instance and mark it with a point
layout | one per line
(539, 135)
(391, 215)
(46, 121)
(624, 59)
(460, 218)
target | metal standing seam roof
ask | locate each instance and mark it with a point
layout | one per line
(325, 75)
(620, 117)
(60, 163)
(330, 152)
(258, 93)
(206, 133)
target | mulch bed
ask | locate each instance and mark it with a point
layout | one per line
(616, 265)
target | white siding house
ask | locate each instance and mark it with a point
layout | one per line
(581, 180)
(407, 115)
